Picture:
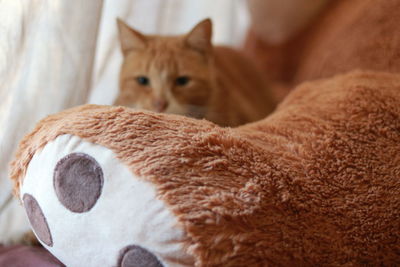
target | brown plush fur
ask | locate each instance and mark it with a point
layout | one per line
(221, 85)
(316, 183)
(348, 35)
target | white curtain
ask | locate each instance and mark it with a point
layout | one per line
(55, 54)
(46, 60)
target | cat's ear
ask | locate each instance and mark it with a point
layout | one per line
(199, 37)
(129, 38)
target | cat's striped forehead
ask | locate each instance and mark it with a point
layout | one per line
(166, 58)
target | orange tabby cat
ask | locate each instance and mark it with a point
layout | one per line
(186, 75)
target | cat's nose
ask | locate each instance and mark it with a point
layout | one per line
(160, 105)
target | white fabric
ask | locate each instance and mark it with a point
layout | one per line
(126, 213)
(46, 57)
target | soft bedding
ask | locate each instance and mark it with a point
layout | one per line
(25, 256)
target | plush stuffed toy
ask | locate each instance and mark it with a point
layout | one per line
(337, 36)
(316, 183)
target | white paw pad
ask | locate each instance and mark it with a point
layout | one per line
(88, 209)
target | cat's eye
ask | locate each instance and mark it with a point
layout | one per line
(143, 80)
(182, 80)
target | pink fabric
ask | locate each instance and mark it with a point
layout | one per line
(24, 256)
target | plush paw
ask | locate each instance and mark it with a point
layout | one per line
(88, 209)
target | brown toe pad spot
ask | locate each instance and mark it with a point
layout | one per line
(37, 219)
(78, 181)
(135, 256)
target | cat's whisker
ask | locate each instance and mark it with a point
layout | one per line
(201, 112)
(196, 111)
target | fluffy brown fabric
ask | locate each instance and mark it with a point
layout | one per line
(348, 35)
(316, 183)
(353, 34)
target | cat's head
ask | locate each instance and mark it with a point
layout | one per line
(166, 73)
